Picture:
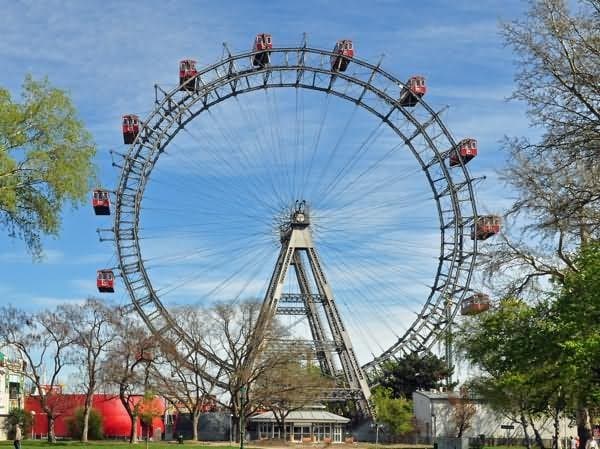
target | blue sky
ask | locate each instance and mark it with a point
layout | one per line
(109, 55)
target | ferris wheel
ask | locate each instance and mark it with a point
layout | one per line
(309, 179)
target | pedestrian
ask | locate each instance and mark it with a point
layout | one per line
(18, 436)
(591, 443)
(572, 443)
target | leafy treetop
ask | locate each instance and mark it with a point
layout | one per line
(45, 161)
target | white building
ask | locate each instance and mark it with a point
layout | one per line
(434, 419)
(11, 388)
(307, 425)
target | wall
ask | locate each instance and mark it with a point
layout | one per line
(2, 432)
(433, 413)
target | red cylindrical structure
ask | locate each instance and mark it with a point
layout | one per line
(115, 420)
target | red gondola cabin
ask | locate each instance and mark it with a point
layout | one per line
(101, 202)
(475, 304)
(131, 128)
(187, 71)
(467, 149)
(414, 89)
(344, 50)
(262, 43)
(486, 226)
(105, 281)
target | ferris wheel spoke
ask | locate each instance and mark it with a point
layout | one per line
(279, 147)
(253, 192)
(375, 276)
(215, 190)
(182, 282)
(333, 153)
(317, 140)
(352, 181)
(263, 150)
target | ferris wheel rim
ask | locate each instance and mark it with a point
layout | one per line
(138, 165)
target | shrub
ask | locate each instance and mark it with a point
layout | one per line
(21, 417)
(75, 424)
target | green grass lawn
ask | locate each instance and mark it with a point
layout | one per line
(37, 444)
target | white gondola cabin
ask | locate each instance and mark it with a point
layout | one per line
(344, 51)
(105, 281)
(101, 202)
(486, 227)
(131, 128)
(466, 150)
(262, 43)
(475, 304)
(414, 89)
(187, 71)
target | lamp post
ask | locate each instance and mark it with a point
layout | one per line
(231, 429)
(32, 423)
(242, 412)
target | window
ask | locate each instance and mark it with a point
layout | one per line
(297, 433)
(14, 390)
(337, 433)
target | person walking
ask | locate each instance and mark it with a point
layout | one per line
(572, 443)
(18, 437)
(591, 443)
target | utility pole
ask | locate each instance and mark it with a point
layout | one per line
(448, 341)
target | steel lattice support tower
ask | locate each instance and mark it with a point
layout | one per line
(296, 242)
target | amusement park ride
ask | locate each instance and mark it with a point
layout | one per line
(443, 161)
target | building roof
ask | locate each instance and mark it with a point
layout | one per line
(433, 394)
(307, 416)
(443, 395)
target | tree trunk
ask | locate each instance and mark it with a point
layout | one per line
(51, 432)
(283, 428)
(536, 433)
(556, 438)
(87, 407)
(133, 436)
(235, 428)
(195, 421)
(525, 432)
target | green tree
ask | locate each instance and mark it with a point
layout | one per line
(411, 373)
(517, 348)
(578, 314)
(395, 413)
(76, 424)
(22, 418)
(45, 161)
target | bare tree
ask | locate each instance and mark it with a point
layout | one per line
(182, 382)
(126, 367)
(463, 411)
(229, 335)
(93, 331)
(556, 179)
(43, 340)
